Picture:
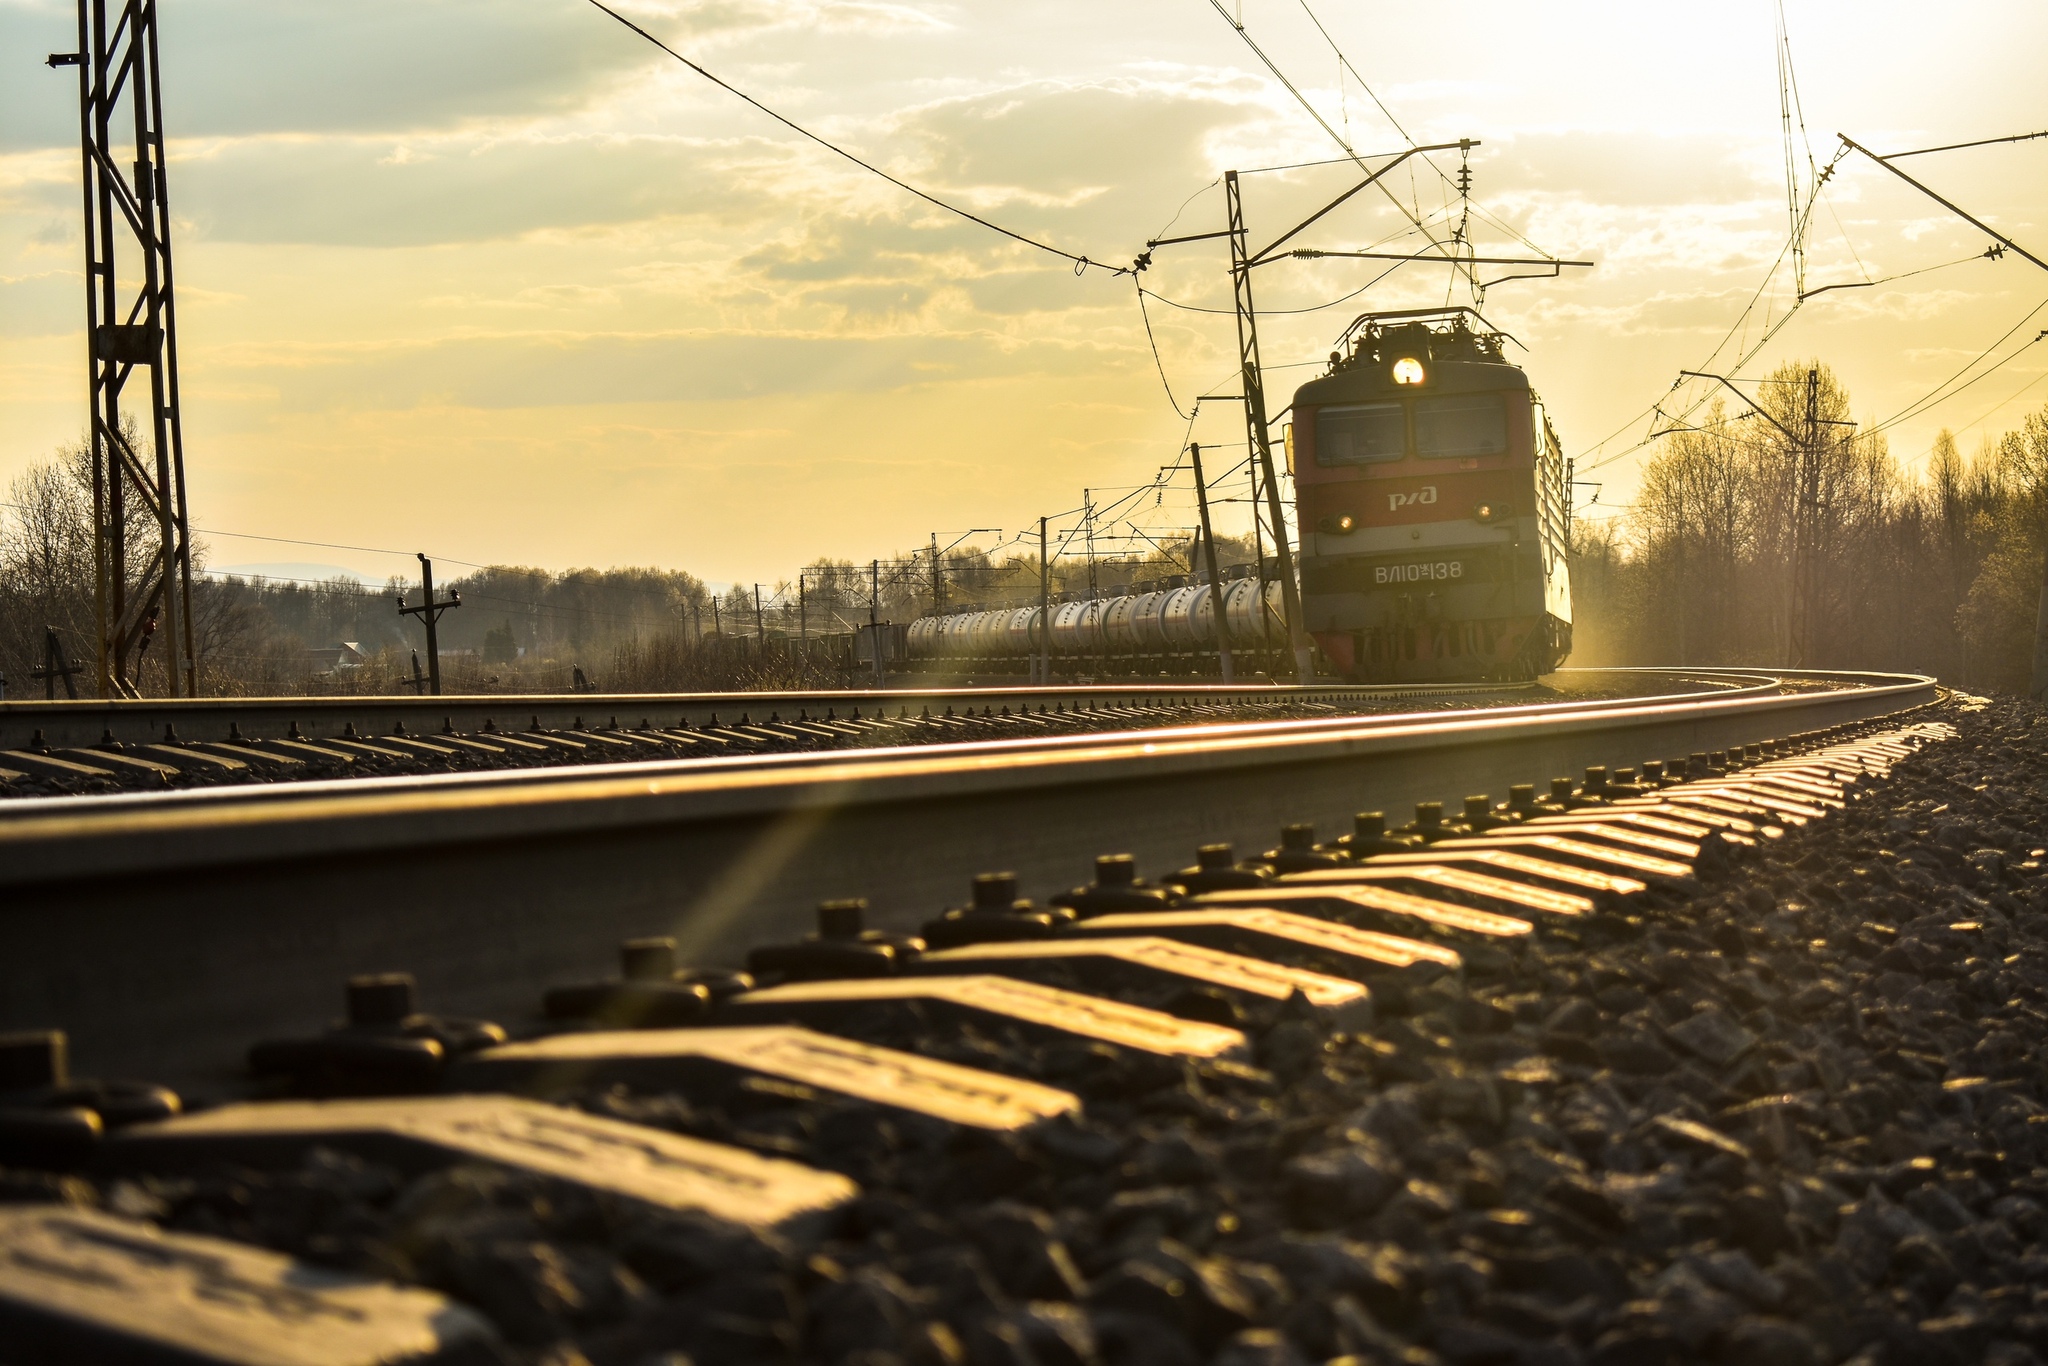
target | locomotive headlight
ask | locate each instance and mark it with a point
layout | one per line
(1337, 525)
(1408, 370)
(1485, 513)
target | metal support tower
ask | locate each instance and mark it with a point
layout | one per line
(131, 324)
(1806, 529)
(1255, 428)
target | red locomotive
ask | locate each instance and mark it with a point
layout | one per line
(1434, 505)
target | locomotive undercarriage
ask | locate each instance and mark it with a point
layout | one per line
(1505, 650)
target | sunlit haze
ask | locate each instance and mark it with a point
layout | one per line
(501, 282)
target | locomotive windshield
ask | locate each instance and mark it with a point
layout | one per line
(1460, 424)
(1361, 433)
(1369, 433)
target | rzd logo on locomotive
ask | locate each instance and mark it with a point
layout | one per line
(1422, 497)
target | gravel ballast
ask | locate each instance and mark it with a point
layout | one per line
(1791, 1117)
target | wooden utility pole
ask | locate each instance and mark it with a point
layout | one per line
(429, 611)
(56, 666)
(1044, 610)
(1209, 561)
(875, 618)
(1259, 560)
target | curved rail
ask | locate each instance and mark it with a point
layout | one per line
(88, 722)
(218, 911)
(59, 749)
(1727, 685)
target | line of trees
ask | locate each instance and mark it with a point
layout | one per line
(518, 629)
(1794, 539)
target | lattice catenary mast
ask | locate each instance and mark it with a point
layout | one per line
(131, 325)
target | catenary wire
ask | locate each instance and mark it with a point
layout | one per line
(1081, 263)
(1931, 397)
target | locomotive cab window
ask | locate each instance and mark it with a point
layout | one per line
(1361, 434)
(1461, 424)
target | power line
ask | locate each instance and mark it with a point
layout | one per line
(1157, 363)
(1081, 263)
(1344, 64)
(1314, 113)
(1935, 396)
(1655, 408)
(1998, 405)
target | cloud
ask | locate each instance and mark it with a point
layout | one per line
(1059, 143)
(542, 370)
(1629, 168)
(354, 191)
(42, 305)
(724, 18)
(243, 66)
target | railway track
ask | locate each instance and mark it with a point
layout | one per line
(894, 1086)
(94, 747)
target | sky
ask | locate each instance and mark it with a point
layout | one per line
(504, 283)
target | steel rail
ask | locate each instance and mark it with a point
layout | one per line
(530, 780)
(86, 722)
(163, 932)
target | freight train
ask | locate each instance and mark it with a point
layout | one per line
(1433, 499)
(1150, 627)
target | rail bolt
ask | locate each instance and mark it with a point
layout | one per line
(1479, 817)
(1622, 783)
(1369, 836)
(381, 998)
(648, 960)
(33, 1059)
(995, 891)
(842, 919)
(1116, 870)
